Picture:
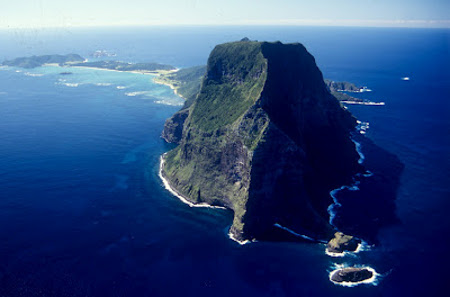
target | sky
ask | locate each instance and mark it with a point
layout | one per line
(76, 13)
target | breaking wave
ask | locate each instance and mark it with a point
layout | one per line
(134, 94)
(170, 103)
(374, 280)
(33, 74)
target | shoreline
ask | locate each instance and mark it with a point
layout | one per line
(178, 195)
(361, 247)
(145, 72)
(372, 281)
(175, 90)
(241, 242)
(364, 103)
(185, 201)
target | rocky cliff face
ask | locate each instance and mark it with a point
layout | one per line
(265, 138)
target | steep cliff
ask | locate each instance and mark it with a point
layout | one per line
(265, 138)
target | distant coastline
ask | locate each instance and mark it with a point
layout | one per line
(145, 72)
(75, 60)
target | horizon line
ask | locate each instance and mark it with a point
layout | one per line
(425, 24)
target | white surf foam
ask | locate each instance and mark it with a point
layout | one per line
(241, 242)
(165, 102)
(364, 89)
(334, 255)
(353, 187)
(121, 87)
(102, 84)
(294, 233)
(370, 103)
(184, 200)
(33, 74)
(372, 281)
(72, 85)
(358, 150)
(176, 194)
(363, 246)
(137, 93)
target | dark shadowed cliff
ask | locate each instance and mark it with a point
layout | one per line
(265, 138)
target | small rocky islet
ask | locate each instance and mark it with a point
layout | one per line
(353, 275)
(341, 243)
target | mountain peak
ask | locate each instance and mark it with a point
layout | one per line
(265, 138)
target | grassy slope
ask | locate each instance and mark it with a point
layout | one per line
(186, 82)
(232, 86)
(202, 166)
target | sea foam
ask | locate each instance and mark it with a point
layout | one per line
(103, 84)
(165, 102)
(72, 85)
(352, 187)
(137, 93)
(176, 194)
(33, 74)
(372, 281)
(363, 246)
(294, 233)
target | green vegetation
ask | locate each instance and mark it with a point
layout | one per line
(337, 88)
(341, 86)
(36, 61)
(186, 82)
(204, 167)
(236, 77)
(123, 66)
(77, 60)
(345, 97)
(250, 138)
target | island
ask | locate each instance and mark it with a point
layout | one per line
(351, 276)
(75, 60)
(264, 138)
(37, 61)
(152, 68)
(342, 243)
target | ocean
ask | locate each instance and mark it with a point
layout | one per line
(83, 211)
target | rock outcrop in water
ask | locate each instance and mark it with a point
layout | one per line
(351, 275)
(342, 243)
(264, 138)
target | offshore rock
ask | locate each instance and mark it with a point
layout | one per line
(342, 243)
(351, 274)
(264, 138)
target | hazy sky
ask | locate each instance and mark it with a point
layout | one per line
(71, 13)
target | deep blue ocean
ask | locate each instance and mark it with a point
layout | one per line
(84, 213)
